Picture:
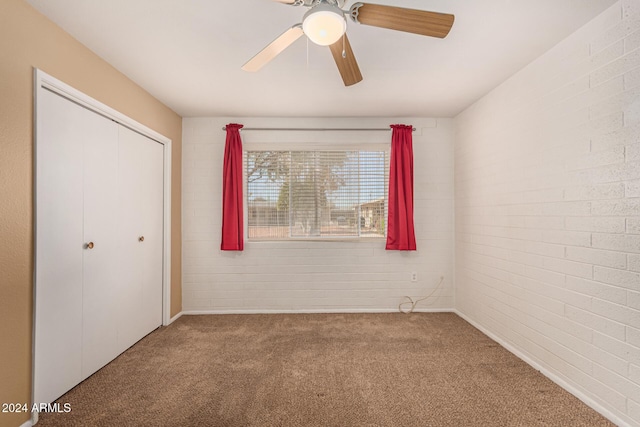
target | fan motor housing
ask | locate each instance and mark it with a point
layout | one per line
(311, 3)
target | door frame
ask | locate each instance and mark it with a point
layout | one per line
(46, 82)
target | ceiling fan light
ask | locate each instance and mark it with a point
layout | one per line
(324, 24)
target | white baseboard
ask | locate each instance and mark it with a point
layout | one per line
(614, 418)
(315, 311)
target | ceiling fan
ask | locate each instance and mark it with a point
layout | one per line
(325, 24)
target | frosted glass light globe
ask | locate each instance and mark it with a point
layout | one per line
(324, 24)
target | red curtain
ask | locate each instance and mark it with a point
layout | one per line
(232, 214)
(400, 231)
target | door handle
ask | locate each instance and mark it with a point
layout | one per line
(141, 239)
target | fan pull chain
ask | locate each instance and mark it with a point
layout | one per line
(307, 53)
(344, 51)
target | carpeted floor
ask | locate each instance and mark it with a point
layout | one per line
(320, 370)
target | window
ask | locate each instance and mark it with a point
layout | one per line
(316, 194)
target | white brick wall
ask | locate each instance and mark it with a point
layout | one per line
(547, 184)
(314, 276)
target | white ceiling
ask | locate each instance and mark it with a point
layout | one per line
(188, 54)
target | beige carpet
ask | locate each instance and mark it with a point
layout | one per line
(320, 370)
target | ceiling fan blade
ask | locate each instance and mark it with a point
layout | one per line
(415, 21)
(347, 65)
(273, 49)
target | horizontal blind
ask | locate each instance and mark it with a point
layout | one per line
(316, 194)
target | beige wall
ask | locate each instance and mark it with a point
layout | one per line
(28, 40)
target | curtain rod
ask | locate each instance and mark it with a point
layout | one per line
(319, 129)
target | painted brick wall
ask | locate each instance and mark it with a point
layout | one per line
(314, 276)
(547, 195)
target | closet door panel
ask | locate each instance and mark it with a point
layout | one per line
(139, 214)
(59, 203)
(100, 263)
(129, 291)
(152, 230)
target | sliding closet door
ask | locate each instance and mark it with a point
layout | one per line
(73, 281)
(99, 236)
(140, 236)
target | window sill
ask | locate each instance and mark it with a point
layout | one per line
(321, 240)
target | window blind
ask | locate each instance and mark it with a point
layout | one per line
(316, 194)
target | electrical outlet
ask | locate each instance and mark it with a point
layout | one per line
(414, 276)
